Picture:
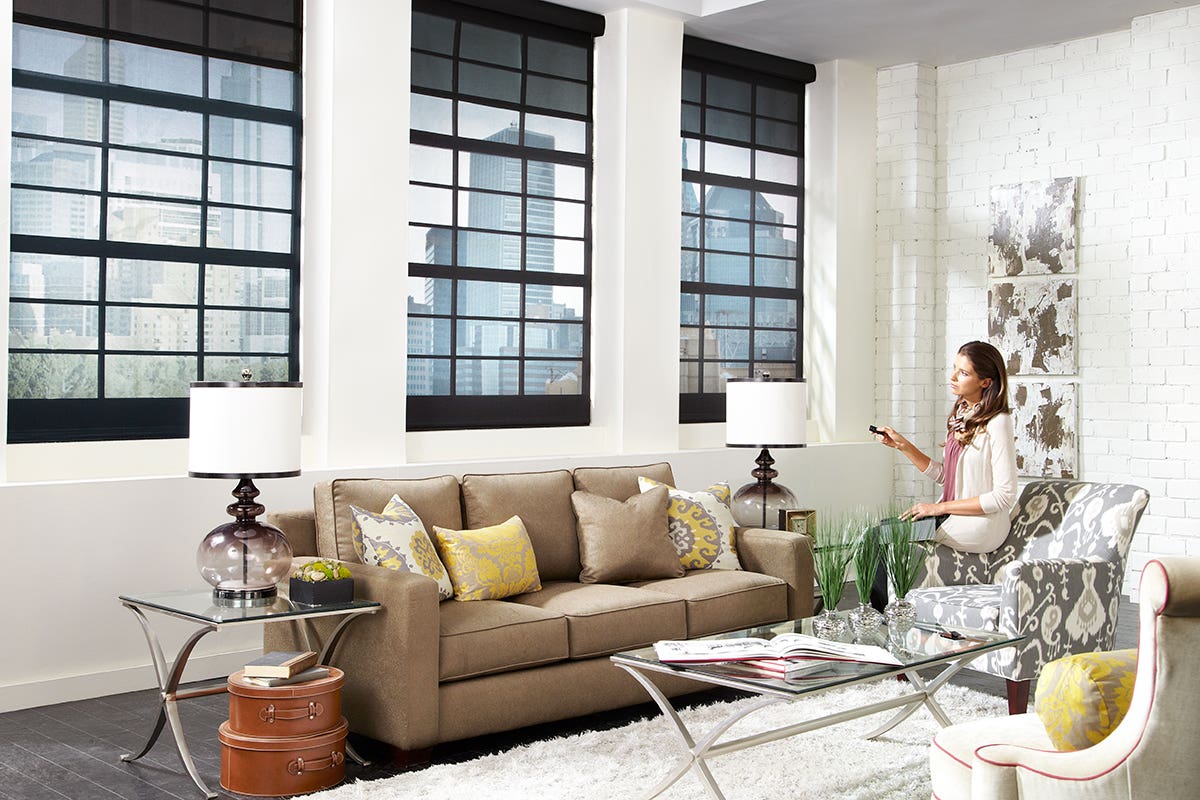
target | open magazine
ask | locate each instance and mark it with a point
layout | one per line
(792, 646)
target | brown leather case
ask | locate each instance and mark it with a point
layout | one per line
(274, 767)
(299, 709)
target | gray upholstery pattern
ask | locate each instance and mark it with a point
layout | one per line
(1056, 579)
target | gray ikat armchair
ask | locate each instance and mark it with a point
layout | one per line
(1056, 579)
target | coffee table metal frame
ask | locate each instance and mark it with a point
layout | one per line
(191, 607)
(700, 748)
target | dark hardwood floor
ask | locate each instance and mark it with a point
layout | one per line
(72, 750)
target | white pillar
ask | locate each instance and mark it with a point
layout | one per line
(353, 303)
(635, 266)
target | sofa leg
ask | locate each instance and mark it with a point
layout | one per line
(1018, 696)
(407, 760)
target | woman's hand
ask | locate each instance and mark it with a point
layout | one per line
(889, 438)
(922, 510)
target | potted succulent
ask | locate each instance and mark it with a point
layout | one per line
(320, 582)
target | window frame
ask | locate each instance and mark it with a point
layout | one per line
(711, 59)
(455, 411)
(128, 418)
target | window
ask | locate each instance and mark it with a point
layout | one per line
(155, 210)
(742, 212)
(500, 210)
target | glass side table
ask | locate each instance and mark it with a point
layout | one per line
(198, 607)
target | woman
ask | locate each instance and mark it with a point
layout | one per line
(978, 470)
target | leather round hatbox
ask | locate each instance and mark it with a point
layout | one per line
(274, 767)
(298, 709)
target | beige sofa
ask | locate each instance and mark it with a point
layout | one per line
(423, 672)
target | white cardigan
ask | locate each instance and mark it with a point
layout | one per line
(987, 469)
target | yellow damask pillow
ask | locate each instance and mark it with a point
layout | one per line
(396, 539)
(701, 526)
(1082, 698)
(489, 563)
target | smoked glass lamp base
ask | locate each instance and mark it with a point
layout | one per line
(758, 505)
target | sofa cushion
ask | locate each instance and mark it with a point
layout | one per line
(435, 501)
(968, 606)
(624, 541)
(396, 539)
(603, 619)
(701, 525)
(489, 563)
(497, 636)
(1083, 697)
(725, 600)
(620, 483)
(543, 502)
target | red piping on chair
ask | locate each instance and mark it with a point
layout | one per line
(1141, 733)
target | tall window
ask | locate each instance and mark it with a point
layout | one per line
(741, 308)
(500, 237)
(155, 209)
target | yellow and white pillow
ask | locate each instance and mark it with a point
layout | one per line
(489, 563)
(396, 539)
(1082, 698)
(701, 525)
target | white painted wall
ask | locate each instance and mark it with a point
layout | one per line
(1119, 112)
(84, 523)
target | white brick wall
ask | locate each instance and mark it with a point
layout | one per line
(1121, 112)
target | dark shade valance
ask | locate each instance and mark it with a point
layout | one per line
(532, 10)
(265, 32)
(749, 60)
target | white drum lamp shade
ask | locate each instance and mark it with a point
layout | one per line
(764, 413)
(244, 431)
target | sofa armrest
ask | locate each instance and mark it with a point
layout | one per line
(784, 555)
(390, 657)
(300, 528)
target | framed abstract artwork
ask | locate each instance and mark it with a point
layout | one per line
(1032, 228)
(1045, 420)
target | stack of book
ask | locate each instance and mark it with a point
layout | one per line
(283, 667)
(788, 655)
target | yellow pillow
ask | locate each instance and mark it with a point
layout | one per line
(489, 563)
(701, 525)
(1082, 698)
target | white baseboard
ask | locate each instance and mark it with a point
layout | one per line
(17, 696)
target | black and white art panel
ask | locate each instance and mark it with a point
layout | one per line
(1033, 228)
(1033, 322)
(1045, 419)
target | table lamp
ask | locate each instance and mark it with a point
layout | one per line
(244, 431)
(764, 412)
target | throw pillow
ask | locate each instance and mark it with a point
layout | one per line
(396, 539)
(1082, 698)
(624, 541)
(489, 563)
(701, 525)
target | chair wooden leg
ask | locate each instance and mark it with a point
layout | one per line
(1018, 696)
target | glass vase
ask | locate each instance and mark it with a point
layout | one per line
(865, 619)
(830, 625)
(900, 613)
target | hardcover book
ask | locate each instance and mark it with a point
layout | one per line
(279, 664)
(793, 646)
(304, 676)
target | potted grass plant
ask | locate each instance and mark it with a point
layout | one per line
(834, 539)
(904, 558)
(868, 553)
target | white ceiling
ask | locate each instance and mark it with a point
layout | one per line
(888, 32)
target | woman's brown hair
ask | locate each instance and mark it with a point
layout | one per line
(988, 364)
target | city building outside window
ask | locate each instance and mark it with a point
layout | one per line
(155, 210)
(500, 210)
(742, 213)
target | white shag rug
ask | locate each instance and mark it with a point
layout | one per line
(628, 761)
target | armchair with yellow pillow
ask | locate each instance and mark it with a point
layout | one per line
(504, 595)
(1108, 726)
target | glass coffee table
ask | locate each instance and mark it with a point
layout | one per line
(919, 647)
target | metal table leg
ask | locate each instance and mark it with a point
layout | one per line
(168, 684)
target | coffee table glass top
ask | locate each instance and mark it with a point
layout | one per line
(920, 646)
(200, 606)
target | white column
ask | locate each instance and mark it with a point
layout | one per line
(635, 266)
(353, 305)
(839, 270)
